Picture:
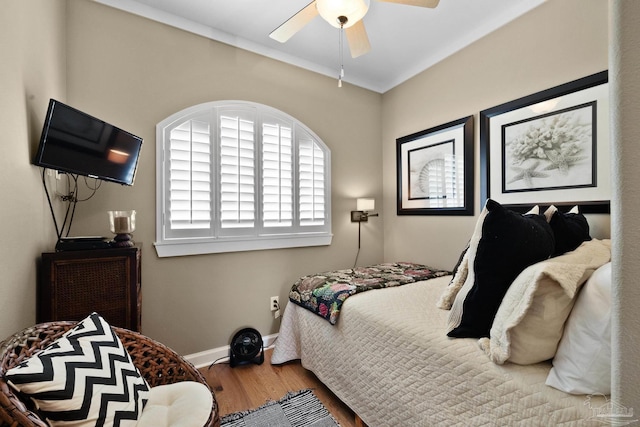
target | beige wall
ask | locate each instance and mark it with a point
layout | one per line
(134, 73)
(32, 69)
(555, 43)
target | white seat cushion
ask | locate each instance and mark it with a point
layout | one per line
(183, 404)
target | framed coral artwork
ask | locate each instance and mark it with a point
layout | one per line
(551, 147)
(435, 170)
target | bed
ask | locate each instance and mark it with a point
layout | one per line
(392, 357)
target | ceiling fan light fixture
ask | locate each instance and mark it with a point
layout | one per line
(332, 10)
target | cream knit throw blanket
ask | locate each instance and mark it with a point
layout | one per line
(529, 323)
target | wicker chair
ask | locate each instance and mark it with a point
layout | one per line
(157, 363)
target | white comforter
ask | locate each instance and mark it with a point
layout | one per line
(389, 359)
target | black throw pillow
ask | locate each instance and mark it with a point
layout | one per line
(509, 243)
(569, 229)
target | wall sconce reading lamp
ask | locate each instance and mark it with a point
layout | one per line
(363, 206)
(361, 215)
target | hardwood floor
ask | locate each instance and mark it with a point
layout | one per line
(250, 386)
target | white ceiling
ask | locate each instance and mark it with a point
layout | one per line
(405, 40)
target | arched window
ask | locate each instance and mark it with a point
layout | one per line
(237, 176)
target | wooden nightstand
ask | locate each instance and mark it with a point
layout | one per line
(73, 284)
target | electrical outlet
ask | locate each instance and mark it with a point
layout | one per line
(274, 303)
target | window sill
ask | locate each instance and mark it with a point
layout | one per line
(185, 247)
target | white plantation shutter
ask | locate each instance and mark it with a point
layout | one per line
(237, 172)
(190, 176)
(277, 175)
(237, 176)
(312, 183)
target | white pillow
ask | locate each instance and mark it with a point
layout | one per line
(582, 364)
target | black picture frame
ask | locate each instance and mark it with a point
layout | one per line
(427, 166)
(549, 148)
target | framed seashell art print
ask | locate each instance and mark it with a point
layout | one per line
(435, 170)
(551, 147)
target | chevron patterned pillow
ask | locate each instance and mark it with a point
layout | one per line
(85, 378)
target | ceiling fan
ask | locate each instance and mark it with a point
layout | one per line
(343, 14)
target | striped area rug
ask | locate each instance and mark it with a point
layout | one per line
(296, 409)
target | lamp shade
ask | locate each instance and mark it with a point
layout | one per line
(354, 10)
(365, 204)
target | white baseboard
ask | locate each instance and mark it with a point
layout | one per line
(221, 354)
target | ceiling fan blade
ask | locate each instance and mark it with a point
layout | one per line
(294, 24)
(358, 39)
(421, 3)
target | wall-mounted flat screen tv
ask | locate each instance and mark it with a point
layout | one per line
(77, 143)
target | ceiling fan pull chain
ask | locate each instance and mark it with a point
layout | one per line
(340, 48)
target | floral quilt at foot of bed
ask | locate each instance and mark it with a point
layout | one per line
(324, 293)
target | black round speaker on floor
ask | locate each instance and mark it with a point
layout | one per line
(246, 347)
